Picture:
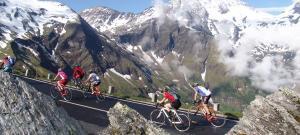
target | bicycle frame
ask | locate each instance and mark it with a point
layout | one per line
(164, 111)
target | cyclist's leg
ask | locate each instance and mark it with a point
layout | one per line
(168, 106)
(205, 104)
(92, 87)
(96, 88)
(59, 85)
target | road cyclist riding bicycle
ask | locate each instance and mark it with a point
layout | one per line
(201, 108)
(205, 94)
(78, 74)
(62, 82)
(7, 63)
(168, 112)
(173, 98)
(94, 81)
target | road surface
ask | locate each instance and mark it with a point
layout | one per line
(93, 115)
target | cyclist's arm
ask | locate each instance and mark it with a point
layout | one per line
(88, 79)
(163, 100)
(195, 95)
(55, 77)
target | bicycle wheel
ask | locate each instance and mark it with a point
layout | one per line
(157, 117)
(54, 92)
(192, 112)
(68, 96)
(181, 122)
(217, 121)
(100, 97)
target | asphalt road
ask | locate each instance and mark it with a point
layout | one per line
(93, 115)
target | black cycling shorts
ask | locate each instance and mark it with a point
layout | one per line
(95, 83)
(176, 104)
(206, 99)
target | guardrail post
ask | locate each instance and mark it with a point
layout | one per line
(49, 75)
(109, 90)
(216, 106)
(26, 73)
(153, 97)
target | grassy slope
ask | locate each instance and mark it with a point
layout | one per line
(233, 93)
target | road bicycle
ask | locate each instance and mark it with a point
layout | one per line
(66, 94)
(86, 90)
(180, 121)
(213, 118)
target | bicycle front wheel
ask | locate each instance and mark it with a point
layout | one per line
(54, 92)
(157, 117)
(68, 95)
(217, 121)
(192, 112)
(100, 97)
(181, 122)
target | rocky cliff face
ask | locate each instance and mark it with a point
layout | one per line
(124, 120)
(278, 113)
(24, 110)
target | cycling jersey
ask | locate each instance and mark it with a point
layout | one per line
(62, 75)
(202, 91)
(78, 72)
(169, 96)
(94, 77)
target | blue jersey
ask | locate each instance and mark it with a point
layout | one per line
(202, 91)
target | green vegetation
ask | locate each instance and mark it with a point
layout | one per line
(231, 112)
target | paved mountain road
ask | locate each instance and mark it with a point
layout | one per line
(93, 115)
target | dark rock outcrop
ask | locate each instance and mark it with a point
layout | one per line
(124, 120)
(278, 113)
(24, 110)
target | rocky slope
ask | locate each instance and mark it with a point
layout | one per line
(124, 120)
(278, 113)
(24, 110)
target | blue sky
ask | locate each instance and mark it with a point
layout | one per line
(272, 6)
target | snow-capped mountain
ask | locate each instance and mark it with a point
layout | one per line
(20, 19)
(179, 38)
(105, 19)
(45, 35)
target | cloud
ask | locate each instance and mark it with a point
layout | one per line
(275, 68)
(272, 9)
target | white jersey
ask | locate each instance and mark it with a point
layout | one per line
(202, 91)
(94, 77)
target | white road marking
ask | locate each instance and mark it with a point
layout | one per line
(97, 109)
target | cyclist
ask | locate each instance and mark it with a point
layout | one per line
(205, 94)
(6, 64)
(62, 82)
(78, 74)
(172, 98)
(94, 82)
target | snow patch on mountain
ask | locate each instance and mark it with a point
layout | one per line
(33, 15)
(125, 77)
(157, 58)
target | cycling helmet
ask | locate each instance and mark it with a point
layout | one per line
(195, 84)
(91, 71)
(167, 88)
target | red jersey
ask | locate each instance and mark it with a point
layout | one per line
(169, 96)
(78, 72)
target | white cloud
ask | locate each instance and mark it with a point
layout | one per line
(272, 9)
